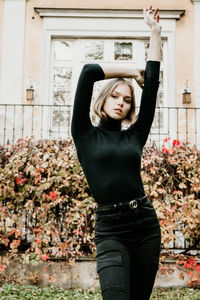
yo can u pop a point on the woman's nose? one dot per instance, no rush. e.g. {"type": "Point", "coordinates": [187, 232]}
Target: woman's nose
{"type": "Point", "coordinates": [120, 100]}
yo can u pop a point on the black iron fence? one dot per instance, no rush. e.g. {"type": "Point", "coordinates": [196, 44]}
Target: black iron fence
{"type": "Point", "coordinates": [53, 122]}
{"type": "Point", "coordinates": [178, 244]}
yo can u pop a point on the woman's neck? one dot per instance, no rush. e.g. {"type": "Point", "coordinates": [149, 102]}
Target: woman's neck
{"type": "Point", "coordinates": [110, 124]}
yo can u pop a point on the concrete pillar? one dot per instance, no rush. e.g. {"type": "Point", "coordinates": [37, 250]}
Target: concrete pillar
{"type": "Point", "coordinates": [197, 51]}
{"type": "Point", "coordinates": [12, 51]}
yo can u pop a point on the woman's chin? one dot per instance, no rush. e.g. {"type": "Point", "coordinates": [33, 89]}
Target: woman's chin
{"type": "Point", "coordinates": [116, 117]}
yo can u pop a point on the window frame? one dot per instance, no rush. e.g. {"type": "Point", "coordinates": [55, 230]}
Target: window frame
{"type": "Point", "coordinates": [107, 26]}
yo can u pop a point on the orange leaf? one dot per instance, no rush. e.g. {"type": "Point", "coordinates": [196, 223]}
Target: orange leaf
{"type": "Point", "coordinates": [15, 244]}
{"type": "Point", "coordinates": [63, 246]}
{"type": "Point", "coordinates": [17, 233]}
{"type": "Point", "coordinates": [11, 231]}
{"type": "Point", "coordinates": [181, 276]}
{"type": "Point", "coordinates": [4, 240]}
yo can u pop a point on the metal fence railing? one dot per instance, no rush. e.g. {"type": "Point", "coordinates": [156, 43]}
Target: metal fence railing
{"type": "Point", "coordinates": [53, 122]}
{"type": "Point", "coordinates": [177, 245]}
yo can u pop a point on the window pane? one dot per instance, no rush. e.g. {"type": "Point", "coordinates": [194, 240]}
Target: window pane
{"type": "Point", "coordinates": [62, 86]}
{"type": "Point", "coordinates": [123, 51]}
{"type": "Point", "coordinates": [61, 97]}
{"type": "Point", "coordinates": [161, 85]}
{"type": "Point", "coordinates": [94, 50]}
{"type": "Point", "coordinates": [60, 118]}
{"type": "Point", "coordinates": [158, 122]}
{"type": "Point", "coordinates": [63, 50]}
{"type": "Point", "coordinates": [160, 99]}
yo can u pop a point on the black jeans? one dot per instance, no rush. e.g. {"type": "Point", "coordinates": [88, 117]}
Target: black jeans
{"type": "Point", "coordinates": [128, 248]}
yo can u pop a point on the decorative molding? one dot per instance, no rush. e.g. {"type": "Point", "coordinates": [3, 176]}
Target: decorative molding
{"type": "Point", "coordinates": [104, 13]}
{"type": "Point", "coordinates": [196, 1]}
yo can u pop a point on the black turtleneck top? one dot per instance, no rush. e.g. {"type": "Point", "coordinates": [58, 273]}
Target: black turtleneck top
{"type": "Point", "coordinates": [111, 157]}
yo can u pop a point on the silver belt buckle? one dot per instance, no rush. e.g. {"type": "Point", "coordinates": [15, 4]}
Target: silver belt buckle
{"type": "Point", "coordinates": [133, 204]}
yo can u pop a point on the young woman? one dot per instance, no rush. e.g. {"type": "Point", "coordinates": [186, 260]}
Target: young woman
{"type": "Point", "coordinates": [127, 232]}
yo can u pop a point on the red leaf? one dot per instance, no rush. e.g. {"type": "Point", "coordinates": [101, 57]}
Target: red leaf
{"type": "Point", "coordinates": [166, 139]}
{"type": "Point", "coordinates": [176, 143]}
{"type": "Point", "coordinates": [11, 231]}
{"type": "Point", "coordinates": [197, 268]}
{"type": "Point", "coordinates": [53, 195]}
{"type": "Point", "coordinates": [2, 267]}
{"type": "Point", "coordinates": [165, 150]}
{"type": "Point", "coordinates": [45, 257]}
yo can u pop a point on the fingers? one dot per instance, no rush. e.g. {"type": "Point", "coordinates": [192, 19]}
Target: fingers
{"type": "Point", "coordinates": [140, 79]}
{"type": "Point", "coordinates": [151, 17]}
{"type": "Point", "coordinates": [155, 13]}
{"type": "Point", "coordinates": [149, 11]}
{"type": "Point", "coordinates": [141, 72]}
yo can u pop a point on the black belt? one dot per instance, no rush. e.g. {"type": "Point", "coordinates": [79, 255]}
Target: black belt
{"type": "Point", "coordinates": [131, 204]}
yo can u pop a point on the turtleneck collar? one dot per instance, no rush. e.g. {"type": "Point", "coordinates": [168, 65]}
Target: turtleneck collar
{"type": "Point", "coordinates": [110, 124]}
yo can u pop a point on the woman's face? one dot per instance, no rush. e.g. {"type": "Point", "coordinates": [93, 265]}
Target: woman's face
{"type": "Point", "coordinates": [118, 104]}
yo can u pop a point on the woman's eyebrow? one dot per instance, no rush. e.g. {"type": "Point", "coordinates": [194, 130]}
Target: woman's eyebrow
{"type": "Point", "coordinates": [126, 96]}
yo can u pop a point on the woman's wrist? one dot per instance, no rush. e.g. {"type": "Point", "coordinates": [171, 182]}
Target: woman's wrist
{"type": "Point", "coordinates": [121, 70]}
{"type": "Point", "coordinates": [156, 29]}
{"type": "Point", "coordinates": [134, 73]}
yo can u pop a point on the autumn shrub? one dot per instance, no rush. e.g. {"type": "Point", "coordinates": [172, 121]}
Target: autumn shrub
{"type": "Point", "coordinates": [47, 210]}
{"type": "Point", "coordinates": [171, 178]}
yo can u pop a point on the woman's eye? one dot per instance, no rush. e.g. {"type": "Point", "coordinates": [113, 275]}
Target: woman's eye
{"type": "Point", "coordinates": [114, 96]}
{"type": "Point", "coordinates": [127, 101]}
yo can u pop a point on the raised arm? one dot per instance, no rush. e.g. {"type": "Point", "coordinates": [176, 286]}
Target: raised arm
{"type": "Point", "coordinates": [151, 80]}
{"type": "Point", "coordinates": [152, 21]}
{"type": "Point", "coordinates": [123, 71]}
{"type": "Point", "coordinates": [80, 119]}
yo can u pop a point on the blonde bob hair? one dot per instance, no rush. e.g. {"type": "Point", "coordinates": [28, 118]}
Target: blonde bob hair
{"type": "Point", "coordinates": [105, 92]}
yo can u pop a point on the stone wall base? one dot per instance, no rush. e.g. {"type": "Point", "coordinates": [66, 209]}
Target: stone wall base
{"type": "Point", "coordinates": [82, 274]}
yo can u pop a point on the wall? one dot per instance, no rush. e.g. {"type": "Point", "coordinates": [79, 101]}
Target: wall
{"type": "Point", "coordinates": [184, 35]}
{"type": "Point", "coordinates": [185, 51]}
{"type": "Point", "coordinates": [1, 23]}
{"type": "Point", "coordinates": [12, 51]}
{"type": "Point", "coordinates": [34, 54]}
{"type": "Point", "coordinates": [82, 274]}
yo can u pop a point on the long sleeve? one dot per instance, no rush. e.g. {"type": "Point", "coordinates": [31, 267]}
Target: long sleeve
{"type": "Point", "coordinates": [81, 122]}
{"type": "Point", "coordinates": [148, 100]}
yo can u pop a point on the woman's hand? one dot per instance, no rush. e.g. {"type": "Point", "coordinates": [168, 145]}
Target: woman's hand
{"type": "Point", "coordinates": [152, 19]}
{"type": "Point", "coordinates": [139, 77]}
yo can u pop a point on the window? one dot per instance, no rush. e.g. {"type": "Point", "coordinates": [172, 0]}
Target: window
{"type": "Point", "coordinates": [68, 57]}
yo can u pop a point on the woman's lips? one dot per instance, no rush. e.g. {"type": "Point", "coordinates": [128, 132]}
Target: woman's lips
{"type": "Point", "coordinates": [118, 111]}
